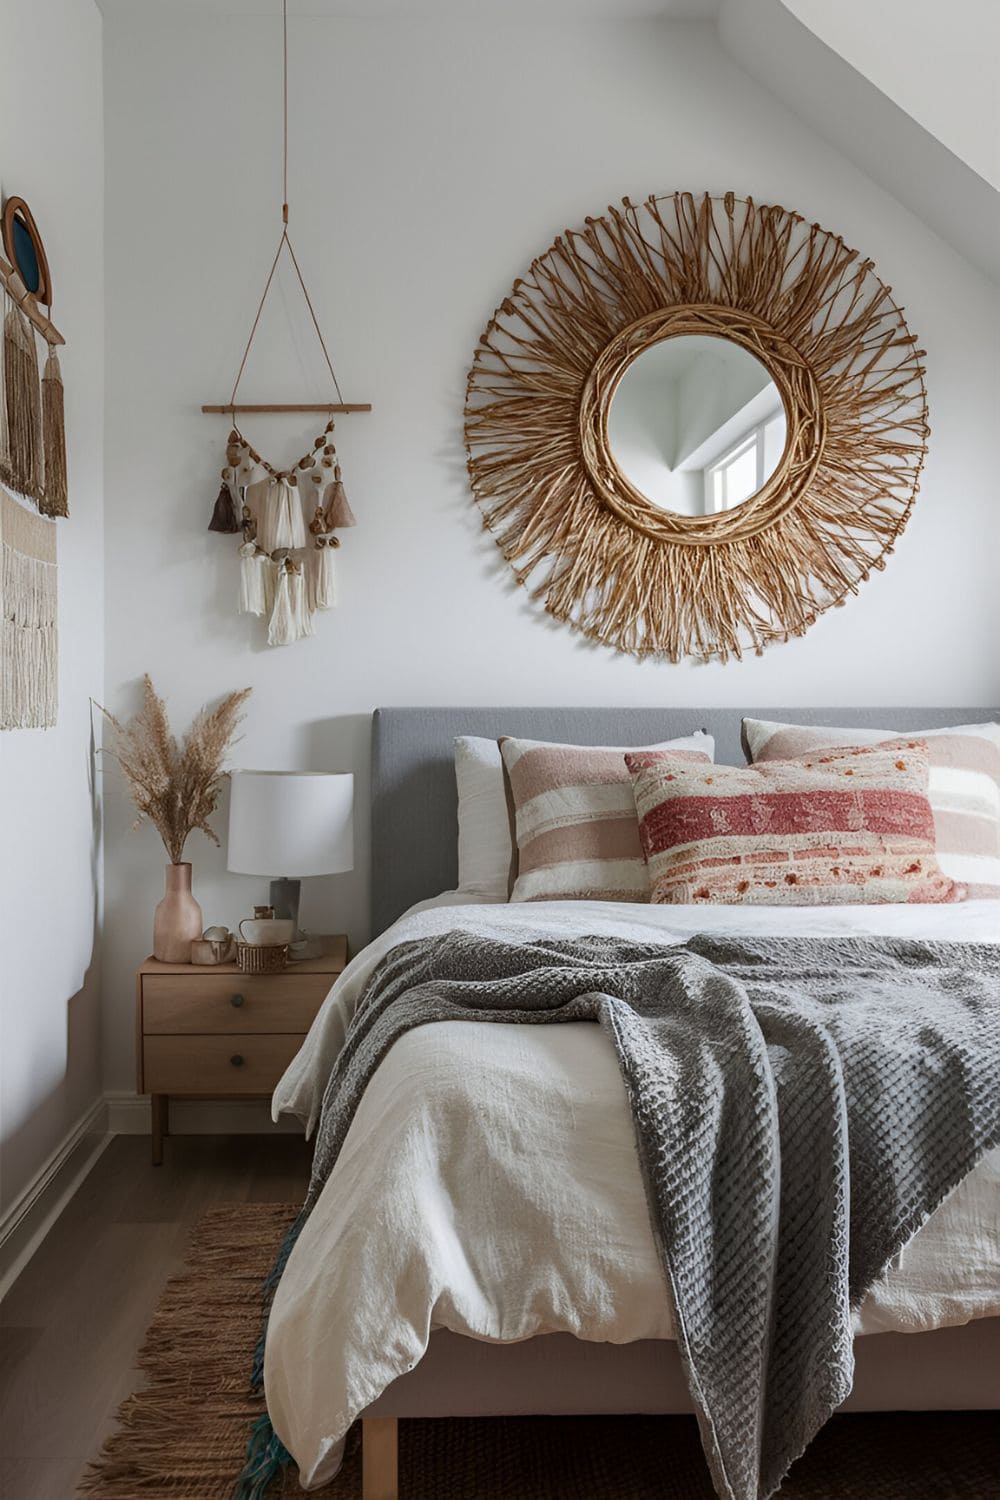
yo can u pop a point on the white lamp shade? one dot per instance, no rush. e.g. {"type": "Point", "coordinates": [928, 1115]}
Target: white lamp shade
{"type": "Point", "coordinates": [291, 823]}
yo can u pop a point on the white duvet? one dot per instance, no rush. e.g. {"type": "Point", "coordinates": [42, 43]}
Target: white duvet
{"type": "Point", "coordinates": [443, 1213]}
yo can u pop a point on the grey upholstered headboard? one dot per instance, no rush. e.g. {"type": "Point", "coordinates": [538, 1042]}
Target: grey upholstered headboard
{"type": "Point", "coordinates": [414, 802]}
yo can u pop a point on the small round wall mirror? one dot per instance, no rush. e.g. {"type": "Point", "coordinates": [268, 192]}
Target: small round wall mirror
{"type": "Point", "coordinates": [24, 249]}
{"type": "Point", "coordinates": [696, 425]}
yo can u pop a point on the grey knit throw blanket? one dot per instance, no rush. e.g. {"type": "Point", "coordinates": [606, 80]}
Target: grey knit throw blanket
{"type": "Point", "coordinates": [800, 1106]}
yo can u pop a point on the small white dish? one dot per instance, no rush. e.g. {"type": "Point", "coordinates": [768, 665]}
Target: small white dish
{"type": "Point", "coordinates": [267, 931]}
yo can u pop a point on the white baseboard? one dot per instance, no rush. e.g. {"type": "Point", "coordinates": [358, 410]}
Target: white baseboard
{"type": "Point", "coordinates": [30, 1217]}
{"type": "Point", "coordinates": [129, 1114]}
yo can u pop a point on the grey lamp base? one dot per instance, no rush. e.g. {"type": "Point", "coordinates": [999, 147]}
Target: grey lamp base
{"type": "Point", "coordinates": [284, 897]}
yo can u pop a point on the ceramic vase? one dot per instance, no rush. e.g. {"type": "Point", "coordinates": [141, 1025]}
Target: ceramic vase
{"type": "Point", "coordinates": [177, 920]}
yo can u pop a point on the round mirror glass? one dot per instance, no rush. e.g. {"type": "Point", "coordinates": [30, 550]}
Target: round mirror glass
{"type": "Point", "coordinates": [696, 425]}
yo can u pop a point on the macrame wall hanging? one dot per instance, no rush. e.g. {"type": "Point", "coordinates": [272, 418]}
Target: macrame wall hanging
{"type": "Point", "coordinates": [32, 476]}
{"type": "Point", "coordinates": [287, 516]}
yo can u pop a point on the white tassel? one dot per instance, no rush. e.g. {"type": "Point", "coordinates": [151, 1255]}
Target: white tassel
{"type": "Point", "coordinates": [322, 582]}
{"type": "Point", "coordinates": [280, 522]}
{"type": "Point", "coordinates": [280, 628]}
{"type": "Point", "coordinates": [252, 570]}
{"type": "Point", "coordinates": [269, 575]}
{"type": "Point", "coordinates": [301, 613]}
{"type": "Point", "coordinates": [290, 619]}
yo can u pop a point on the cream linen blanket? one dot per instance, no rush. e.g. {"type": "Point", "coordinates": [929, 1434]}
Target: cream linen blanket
{"type": "Point", "coordinates": [441, 1212]}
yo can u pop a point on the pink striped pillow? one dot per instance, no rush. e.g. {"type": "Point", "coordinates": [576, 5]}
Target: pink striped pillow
{"type": "Point", "coordinates": [841, 827]}
{"type": "Point", "coordinates": [963, 788]}
{"type": "Point", "coordinates": [574, 819]}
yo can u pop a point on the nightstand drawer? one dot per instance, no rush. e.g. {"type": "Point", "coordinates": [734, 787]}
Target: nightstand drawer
{"type": "Point", "coordinates": [237, 1064]}
{"type": "Point", "coordinates": [174, 1004]}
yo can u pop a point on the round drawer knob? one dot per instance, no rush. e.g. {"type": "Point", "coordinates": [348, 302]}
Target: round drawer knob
{"type": "Point", "coordinates": [236, 1000]}
{"type": "Point", "coordinates": [236, 1060]}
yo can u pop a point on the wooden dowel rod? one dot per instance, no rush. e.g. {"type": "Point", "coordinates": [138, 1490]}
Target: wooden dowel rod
{"type": "Point", "coordinates": [28, 305]}
{"type": "Point", "coordinates": [358, 406]}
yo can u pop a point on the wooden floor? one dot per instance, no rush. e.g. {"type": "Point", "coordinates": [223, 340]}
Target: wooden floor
{"type": "Point", "coordinates": [71, 1325]}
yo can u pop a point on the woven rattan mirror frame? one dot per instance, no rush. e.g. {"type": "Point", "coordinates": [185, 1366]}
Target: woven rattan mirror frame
{"type": "Point", "coordinates": [591, 547]}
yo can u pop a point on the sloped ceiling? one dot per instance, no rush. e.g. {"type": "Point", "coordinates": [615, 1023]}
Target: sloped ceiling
{"type": "Point", "coordinates": [888, 144]}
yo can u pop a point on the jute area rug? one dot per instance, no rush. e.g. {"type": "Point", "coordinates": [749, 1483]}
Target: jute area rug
{"type": "Point", "coordinates": [182, 1436]}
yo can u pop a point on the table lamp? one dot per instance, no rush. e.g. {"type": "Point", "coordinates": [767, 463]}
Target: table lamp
{"type": "Point", "coordinates": [298, 823]}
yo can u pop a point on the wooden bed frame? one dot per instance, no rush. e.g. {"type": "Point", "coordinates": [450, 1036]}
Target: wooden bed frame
{"type": "Point", "coordinates": [955, 1369]}
{"type": "Point", "coordinates": [414, 808]}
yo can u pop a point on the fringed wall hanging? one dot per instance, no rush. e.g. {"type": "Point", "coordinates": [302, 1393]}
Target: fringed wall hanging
{"type": "Point", "coordinates": [28, 641]}
{"type": "Point", "coordinates": [32, 476]}
{"type": "Point", "coordinates": [286, 562]}
{"type": "Point", "coordinates": [695, 424]}
{"type": "Point", "coordinates": [32, 436]}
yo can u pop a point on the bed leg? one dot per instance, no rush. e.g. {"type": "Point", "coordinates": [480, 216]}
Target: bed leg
{"type": "Point", "coordinates": [379, 1459]}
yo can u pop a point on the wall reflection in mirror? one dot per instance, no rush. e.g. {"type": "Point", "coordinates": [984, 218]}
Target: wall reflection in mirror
{"type": "Point", "coordinates": [696, 425]}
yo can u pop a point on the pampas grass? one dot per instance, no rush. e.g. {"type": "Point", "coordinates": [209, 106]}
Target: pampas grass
{"type": "Point", "coordinates": [175, 787]}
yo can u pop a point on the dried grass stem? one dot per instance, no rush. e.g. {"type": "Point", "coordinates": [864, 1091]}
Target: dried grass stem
{"type": "Point", "coordinates": [176, 787]}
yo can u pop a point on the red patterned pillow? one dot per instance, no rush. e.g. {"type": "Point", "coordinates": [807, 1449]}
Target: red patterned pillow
{"type": "Point", "coordinates": [837, 827]}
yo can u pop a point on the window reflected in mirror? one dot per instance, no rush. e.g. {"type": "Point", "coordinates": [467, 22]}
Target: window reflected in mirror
{"type": "Point", "coordinates": [697, 425]}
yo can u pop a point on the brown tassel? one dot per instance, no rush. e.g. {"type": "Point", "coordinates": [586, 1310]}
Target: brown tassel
{"type": "Point", "coordinates": [224, 516]}
{"type": "Point", "coordinates": [23, 403]}
{"type": "Point", "coordinates": [55, 500]}
{"type": "Point", "coordinates": [337, 512]}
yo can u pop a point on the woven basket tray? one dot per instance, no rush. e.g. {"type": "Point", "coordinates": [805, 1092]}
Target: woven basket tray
{"type": "Point", "coordinates": [261, 958]}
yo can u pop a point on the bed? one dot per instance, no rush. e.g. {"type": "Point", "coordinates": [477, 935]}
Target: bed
{"type": "Point", "coordinates": [609, 1362]}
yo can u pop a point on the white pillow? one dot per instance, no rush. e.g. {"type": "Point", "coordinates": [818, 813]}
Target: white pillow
{"type": "Point", "coordinates": [486, 851]}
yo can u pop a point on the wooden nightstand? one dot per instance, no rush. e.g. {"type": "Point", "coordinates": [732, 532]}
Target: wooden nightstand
{"type": "Point", "coordinates": [212, 1032]}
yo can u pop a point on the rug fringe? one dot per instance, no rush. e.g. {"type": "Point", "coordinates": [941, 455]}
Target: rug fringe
{"type": "Point", "coordinates": [194, 1357]}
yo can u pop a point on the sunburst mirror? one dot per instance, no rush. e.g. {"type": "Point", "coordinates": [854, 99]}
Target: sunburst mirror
{"type": "Point", "coordinates": [695, 424]}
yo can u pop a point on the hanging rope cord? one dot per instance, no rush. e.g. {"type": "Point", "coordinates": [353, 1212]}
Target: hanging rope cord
{"type": "Point", "coordinates": [285, 240]}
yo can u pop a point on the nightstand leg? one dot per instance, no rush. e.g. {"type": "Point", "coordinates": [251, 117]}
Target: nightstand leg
{"type": "Point", "coordinates": [161, 1125]}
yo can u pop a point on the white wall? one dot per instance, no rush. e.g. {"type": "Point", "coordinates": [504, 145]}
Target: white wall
{"type": "Point", "coordinates": [430, 161]}
{"type": "Point", "coordinates": [51, 153]}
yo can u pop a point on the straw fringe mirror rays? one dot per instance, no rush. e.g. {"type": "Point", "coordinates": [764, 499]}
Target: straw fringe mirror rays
{"type": "Point", "coordinates": [559, 490]}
